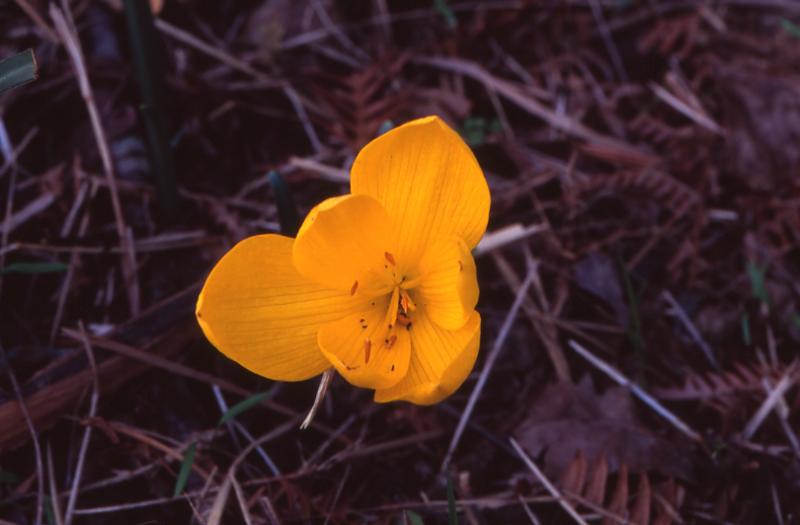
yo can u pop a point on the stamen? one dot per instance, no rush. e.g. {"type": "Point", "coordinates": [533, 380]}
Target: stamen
{"type": "Point", "coordinates": [406, 304]}
{"type": "Point", "coordinates": [391, 314]}
{"type": "Point", "coordinates": [407, 284]}
{"type": "Point", "coordinates": [354, 288]}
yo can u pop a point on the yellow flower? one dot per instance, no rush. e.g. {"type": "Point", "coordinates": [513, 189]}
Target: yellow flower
{"type": "Point", "coordinates": [379, 284]}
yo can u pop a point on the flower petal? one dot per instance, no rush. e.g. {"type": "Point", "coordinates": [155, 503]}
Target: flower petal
{"type": "Point", "coordinates": [343, 244]}
{"type": "Point", "coordinates": [448, 287]}
{"type": "Point", "coordinates": [440, 361]}
{"type": "Point", "coordinates": [257, 310]}
{"type": "Point", "coordinates": [364, 350]}
{"type": "Point", "coordinates": [428, 181]}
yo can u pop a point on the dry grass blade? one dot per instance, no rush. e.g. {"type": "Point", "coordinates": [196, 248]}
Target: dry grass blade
{"type": "Point", "coordinates": [547, 485]}
{"type": "Point", "coordinates": [324, 383]}
{"type": "Point", "coordinates": [12, 159]}
{"type": "Point", "coordinates": [497, 239]}
{"type": "Point", "coordinates": [72, 44]}
{"type": "Point", "coordinates": [494, 353]}
{"type": "Point", "coordinates": [558, 120]}
{"type": "Point", "coordinates": [30, 210]}
{"type": "Point", "coordinates": [34, 15]}
{"type": "Point", "coordinates": [34, 436]}
{"type": "Point", "coordinates": [678, 312]}
{"type": "Point", "coordinates": [544, 324]}
{"type": "Point", "coordinates": [317, 168]}
{"type": "Point", "coordinates": [87, 432]}
{"type": "Point", "coordinates": [240, 498]}
{"type": "Point", "coordinates": [775, 395]}
{"type": "Point", "coordinates": [55, 500]}
{"type": "Point", "coordinates": [680, 106]}
{"type": "Point", "coordinates": [226, 58]}
{"type": "Point", "coordinates": [218, 506]}
{"type": "Point", "coordinates": [637, 391]}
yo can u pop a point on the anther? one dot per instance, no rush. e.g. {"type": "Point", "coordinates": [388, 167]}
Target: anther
{"type": "Point", "coordinates": [406, 303]}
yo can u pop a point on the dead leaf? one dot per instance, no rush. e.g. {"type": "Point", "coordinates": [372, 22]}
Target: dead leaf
{"type": "Point", "coordinates": [597, 274]}
{"type": "Point", "coordinates": [567, 420]}
{"type": "Point", "coordinates": [762, 115]}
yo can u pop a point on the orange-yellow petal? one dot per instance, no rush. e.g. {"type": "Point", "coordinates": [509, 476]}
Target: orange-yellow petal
{"type": "Point", "coordinates": [448, 287]}
{"type": "Point", "coordinates": [364, 350]}
{"type": "Point", "coordinates": [428, 181]}
{"type": "Point", "coordinates": [440, 361]}
{"type": "Point", "coordinates": [259, 311]}
{"type": "Point", "coordinates": [343, 244]}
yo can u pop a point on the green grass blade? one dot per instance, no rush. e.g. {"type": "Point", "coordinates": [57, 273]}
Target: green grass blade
{"type": "Point", "coordinates": [287, 210]}
{"type": "Point", "coordinates": [758, 281]}
{"type": "Point", "coordinates": [49, 513]}
{"type": "Point", "coordinates": [790, 27]}
{"type": "Point", "coordinates": [447, 13]}
{"type": "Point", "coordinates": [18, 70]}
{"type": "Point", "coordinates": [634, 331]}
{"type": "Point", "coordinates": [473, 131]}
{"type": "Point", "coordinates": [746, 337]}
{"type": "Point", "coordinates": [412, 518]}
{"type": "Point", "coordinates": [186, 469]}
{"type": "Point", "coordinates": [244, 406]}
{"type": "Point", "coordinates": [452, 515]}
{"type": "Point", "coordinates": [34, 267]}
{"type": "Point", "coordinates": [150, 78]}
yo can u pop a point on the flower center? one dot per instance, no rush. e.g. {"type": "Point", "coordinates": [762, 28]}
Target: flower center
{"type": "Point", "coordinates": [397, 285]}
